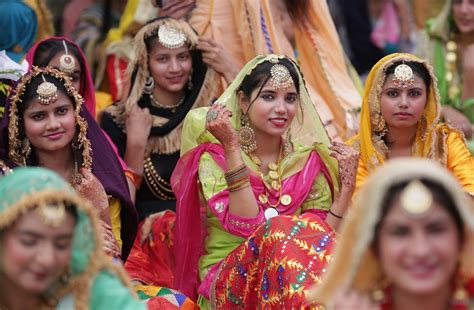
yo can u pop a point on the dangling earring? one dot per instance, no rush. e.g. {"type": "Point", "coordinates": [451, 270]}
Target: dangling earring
{"type": "Point", "coordinates": [76, 146]}
{"type": "Point", "coordinates": [380, 127]}
{"type": "Point", "coordinates": [422, 128]}
{"type": "Point", "coordinates": [26, 150]}
{"type": "Point", "coordinates": [149, 85]}
{"type": "Point", "coordinates": [247, 135]}
{"type": "Point", "coordinates": [190, 80]}
{"type": "Point", "coordinates": [288, 147]}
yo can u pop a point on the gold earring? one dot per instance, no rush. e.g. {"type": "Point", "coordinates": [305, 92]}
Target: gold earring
{"type": "Point", "coordinates": [288, 147]}
{"type": "Point", "coordinates": [422, 128]}
{"type": "Point", "coordinates": [380, 126]}
{"type": "Point", "coordinates": [149, 85]}
{"type": "Point", "coordinates": [26, 149]}
{"type": "Point", "coordinates": [247, 135]}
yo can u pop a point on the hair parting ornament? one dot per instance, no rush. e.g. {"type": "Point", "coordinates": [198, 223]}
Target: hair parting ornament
{"type": "Point", "coordinates": [47, 92]}
{"type": "Point", "coordinates": [403, 76]}
{"type": "Point", "coordinates": [52, 215]}
{"type": "Point", "coordinates": [171, 37]}
{"type": "Point", "coordinates": [416, 199]}
{"type": "Point", "coordinates": [67, 63]}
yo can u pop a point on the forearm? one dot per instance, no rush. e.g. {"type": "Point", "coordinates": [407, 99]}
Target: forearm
{"type": "Point", "coordinates": [134, 156]}
{"type": "Point", "coordinates": [339, 208]}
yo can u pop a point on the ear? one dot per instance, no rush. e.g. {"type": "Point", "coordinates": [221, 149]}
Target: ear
{"type": "Point", "coordinates": [243, 101]}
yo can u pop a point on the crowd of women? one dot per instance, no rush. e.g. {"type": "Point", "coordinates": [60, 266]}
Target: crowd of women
{"type": "Point", "coordinates": [227, 156]}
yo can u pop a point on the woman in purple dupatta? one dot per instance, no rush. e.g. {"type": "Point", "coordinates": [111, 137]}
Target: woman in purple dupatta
{"type": "Point", "coordinates": [256, 208]}
{"type": "Point", "coordinates": [100, 169]}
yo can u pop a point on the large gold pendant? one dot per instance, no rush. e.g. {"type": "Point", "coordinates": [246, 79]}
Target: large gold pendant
{"type": "Point", "coordinates": [276, 185]}
{"type": "Point", "coordinates": [286, 200]}
{"type": "Point", "coordinates": [273, 175]}
{"type": "Point", "coordinates": [272, 166]}
{"type": "Point", "coordinates": [263, 198]}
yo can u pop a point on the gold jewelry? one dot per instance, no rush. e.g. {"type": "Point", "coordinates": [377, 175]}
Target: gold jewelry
{"type": "Point", "coordinates": [173, 108]}
{"type": "Point", "coordinates": [246, 135]}
{"type": "Point", "coordinates": [416, 199]}
{"type": "Point", "coordinates": [67, 63]}
{"type": "Point", "coordinates": [159, 187]}
{"type": "Point", "coordinates": [47, 92]}
{"type": "Point", "coordinates": [52, 214]}
{"type": "Point", "coordinates": [403, 76]}
{"type": "Point", "coordinates": [77, 176]}
{"type": "Point", "coordinates": [280, 77]}
{"type": "Point", "coordinates": [422, 128]}
{"type": "Point", "coordinates": [450, 63]}
{"type": "Point", "coordinates": [171, 37]}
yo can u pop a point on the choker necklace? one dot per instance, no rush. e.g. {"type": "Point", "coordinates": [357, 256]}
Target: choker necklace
{"type": "Point", "coordinates": [275, 184]}
{"type": "Point", "coordinates": [173, 108]}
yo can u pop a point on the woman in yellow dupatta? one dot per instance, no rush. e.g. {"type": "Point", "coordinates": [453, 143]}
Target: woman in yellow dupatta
{"type": "Point", "coordinates": [383, 135]}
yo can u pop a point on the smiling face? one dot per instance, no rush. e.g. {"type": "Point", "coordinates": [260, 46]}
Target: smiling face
{"type": "Point", "coordinates": [463, 13]}
{"type": "Point", "coordinates": [34, 255]}
{"type": "Point", "coordinates": [50, 128]}
{"type": "Point", "coordinates": [419, 256]}
{"type": "Point", "coordinates": [170, 68]}
{"type": "Point", "coordinates": [402, 108]}
{"type": "Point", "coordinates": [75, 75]}
{"type": "Point", "coordinates": [272, 112]}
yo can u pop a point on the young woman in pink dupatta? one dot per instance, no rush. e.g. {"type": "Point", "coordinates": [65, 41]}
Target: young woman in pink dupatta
{"type": "Point", "coordinates": [267, 202]}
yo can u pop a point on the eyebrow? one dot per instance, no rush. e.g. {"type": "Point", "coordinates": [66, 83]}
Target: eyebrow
{"type": "Point", "coordinates": [30, 233]}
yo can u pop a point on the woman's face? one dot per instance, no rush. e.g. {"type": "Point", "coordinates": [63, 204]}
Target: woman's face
{"type": "Point", "coordinates": [273, 111]}
{"type": "Point", "coordinates": [419, 255]}
{"type": "Point", "coordinates": [402, 108]}
{"type": "Point", "coordinates": [463, 13]}
{"type": "Point", "coordinates": [35, 254]}
{"type": "Point", "coordinates": [170, 68]}
{"type": "Point", "coordinates": [75, 76]}
{"type": "Point", "coordinates": [50, 127]}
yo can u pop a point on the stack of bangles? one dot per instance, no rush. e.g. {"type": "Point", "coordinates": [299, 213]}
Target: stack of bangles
{"type": "Point", "coordinates": [134, 177]}
{"type": "Point", "coordinates": [237, 178]}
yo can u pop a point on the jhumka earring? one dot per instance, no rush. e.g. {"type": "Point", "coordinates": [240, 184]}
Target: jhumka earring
{"type": "Point", "coordinates": [403, 76]}
{"type": "Point", "coordinates": [47, 92]}
{"type": "Point", "coordinates": [67, 63]}
{"type": "Point", "coordinates": [149, 85]}
{"type": "Point", "coordinates": [380, 127]}
{"type": "Point", "coordinates": [26, 150]}
{"type": "Point", "coordinates": [171, 37]}
{"type": "Point", "coordinates": [247, 135]}
{"type": "Point", "coordinates": [288, 147]}
{"type": "Point", "coordinates": [422, 128]}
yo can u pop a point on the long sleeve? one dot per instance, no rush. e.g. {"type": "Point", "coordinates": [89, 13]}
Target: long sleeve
{"type": "Point", "coordinates": [460, 161]}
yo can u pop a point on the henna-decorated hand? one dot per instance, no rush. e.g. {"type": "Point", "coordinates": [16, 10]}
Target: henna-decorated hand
{"type": "Point", "coordinates": [348, 161]}
{"type": "Point", "coordinates": [218, 124]}
{"type": "Point", "coordinates": [91, 189]}
{"type": "Point", "coordinates": [138, 125]}
{"type": "Point", "coordinates": [110, 244]}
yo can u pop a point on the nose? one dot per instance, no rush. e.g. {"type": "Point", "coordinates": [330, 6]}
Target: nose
{"type": "Point", "coordinates": [174, 65]}
{"type": "Point", "coordinates": [280, 107]}
{"type": "Point", "coordinates": [53, 123]}
{"type": "Point", "coordinates": [420, 245]}
{"type": "Point", "coordinates": [46, 257]}
{"type": "Point", "coordinates": [403, 101]}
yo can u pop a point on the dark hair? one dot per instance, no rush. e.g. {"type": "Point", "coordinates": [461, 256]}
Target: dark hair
{"type": "Point", "coordinates": [259, 77]}
{"type": "Point", "coordinates": [48, 49]}
{"type": "Point", "coordinates": [417, 67]}
{"type": "Point", "coordinates": [440, 195]}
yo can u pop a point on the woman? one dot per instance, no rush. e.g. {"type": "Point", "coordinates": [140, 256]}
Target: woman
{"type": "Point", "coordinates": [167, 79]}
{"type": "Point", "coordinates": [46, 126]}
{"type": "Point", "coordinates": [407, 243]}
{"type": "Point", "coordinates": [51, 254]}
{"type": "Point", "coordinates": [249, 176]}
{"type": "Point", "coordinates": [303, 30]}
{"type": "Point", "coordinates": [448, 42]}
{"type": "Point", "coordinates": [400, 114]}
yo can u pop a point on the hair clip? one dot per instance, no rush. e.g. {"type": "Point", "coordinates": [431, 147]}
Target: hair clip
{"type": "Point", "coordinates": [280, 77]}
{"type": "Point", "coordinates": [47, 92]}
{"type": "Point", "coordinates": [171, 37]}
{"type": "Point", "coordinates": [403, 76]}
{"type": "Point", "coordinates": [67, 63]}
{"type": "Point", "coordinates": [52, 214]}
{"type": "Point", "coordinates": [416, 199]}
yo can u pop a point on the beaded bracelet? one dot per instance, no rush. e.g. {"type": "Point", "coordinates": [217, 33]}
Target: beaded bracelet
{"type": "Point", "coordinates": [335, 215]}
{"type": "Point", "coordinates": [134, 177]}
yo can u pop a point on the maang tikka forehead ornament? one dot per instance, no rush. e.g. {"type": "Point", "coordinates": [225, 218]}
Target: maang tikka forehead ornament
{"type": "Point", "coordinates": [280, 77]}
{"type": "Point", "coordinates": [403, 76]}
{"type": "Point", "coordinates": [416, 199]}
{"type": "Point", "coordinates": [171, 37]}
{"type": "Point", "coordinates": [52, 215]}
{"type": "Point", "coordinates": [67, 63]}
{"type": "Point", "coordinates": [47, 92]}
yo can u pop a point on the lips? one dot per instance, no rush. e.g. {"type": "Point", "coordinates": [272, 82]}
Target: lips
{"type": "Point", "coordinates": [175, 79]}
{"type": "Point", "coordinates": [421, 271]}
{"type": "Point", "coordinates": [278, 121]}
{"type": "Point", "coordinates": [403, 115]}
{"type": "Point", "coordinates": [55, 136]}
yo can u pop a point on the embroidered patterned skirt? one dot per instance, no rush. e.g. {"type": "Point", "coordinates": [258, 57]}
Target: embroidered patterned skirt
{"type": "Point", "coordinates": [276, 266]}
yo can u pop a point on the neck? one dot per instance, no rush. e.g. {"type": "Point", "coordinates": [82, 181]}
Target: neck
{"type": "Point", "coordinates": [61, 161]}
{"type": "Point", "coordinates": [13, 297]}
{"type": "Point", "coordinates": [268, 149]}
{"type": "Point", "coordinates": [439, 300]}
{"type": "Point", "coordinates": [167, 98]}
{"type": "Point", "coordinates": [400, 140]}
{"type": "Point", "coordinates": [465, 38]}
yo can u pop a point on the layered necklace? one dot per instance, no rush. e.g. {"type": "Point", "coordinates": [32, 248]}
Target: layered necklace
{"type": "Point", "coordinates": [173, 107]}
{"type": "Point", "coordinates": [159, 187]}
{"type": "Point", "coordinates": [274, 184]}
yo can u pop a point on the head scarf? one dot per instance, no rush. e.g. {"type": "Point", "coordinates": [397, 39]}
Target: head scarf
{"type": "Point", "coordinates": [354, 264]}
{"type": "Point", "coordinates": [87, 92]}
{"type": "Point", "coordinates": [373, 149]}
{"type": "Point", "coordinates": [19, 26]}
{"type": "Point", "coordinates": [97, 153]}
{"type": "Point", "coordinates": [306, 127]}
{"type": "Point", "coordinates": [24, 190]}
{"type": "Point", "coordinates": [166, 131]}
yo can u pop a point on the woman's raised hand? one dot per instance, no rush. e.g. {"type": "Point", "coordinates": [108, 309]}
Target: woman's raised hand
{"type": "Point", "coordinates": [138, 125]}
{"type": "Point", "coordinates": [218, 124]}
{"type": "Point", "coordinates": [348, 161]}
{"type": "Point", "coordinates": [218, 58]}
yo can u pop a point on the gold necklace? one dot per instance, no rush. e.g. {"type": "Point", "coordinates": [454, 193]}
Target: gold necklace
{"type": "Point", "coordinates": [159, 187]}
{"type": "Point", "coordinates": [451, 65]}
{"type": "Point", "coordinates": [173, 108]}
